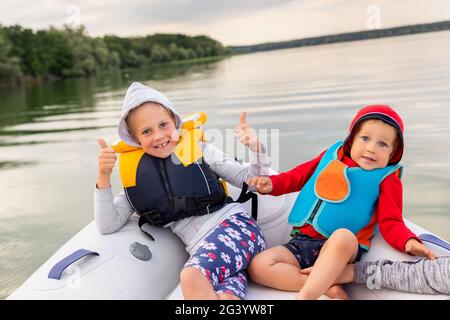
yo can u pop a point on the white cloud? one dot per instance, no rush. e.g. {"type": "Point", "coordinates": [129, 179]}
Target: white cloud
{"type": "Point", "coordinates": [232, 23]}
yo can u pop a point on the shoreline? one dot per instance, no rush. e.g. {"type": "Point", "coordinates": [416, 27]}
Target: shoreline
{"type": "Point", "coordinates": [28, 80]}
{"type": "Point", "coordinates": [344, 37]}
{"type": "Point", "coordinates": [246, 49]}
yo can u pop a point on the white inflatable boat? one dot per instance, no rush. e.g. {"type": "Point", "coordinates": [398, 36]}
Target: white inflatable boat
{"type": "Point", "coordinates": [114, 273]}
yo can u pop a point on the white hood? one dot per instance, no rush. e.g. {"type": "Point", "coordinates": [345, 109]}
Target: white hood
{"type": "Point", "coordinates": [136, 95]}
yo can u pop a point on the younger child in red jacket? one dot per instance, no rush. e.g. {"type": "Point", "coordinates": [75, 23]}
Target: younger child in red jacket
{"type": "Point", "coordinates": [345, 193]}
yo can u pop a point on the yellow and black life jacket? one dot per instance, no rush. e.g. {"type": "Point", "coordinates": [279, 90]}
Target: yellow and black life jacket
{"type": "Point", "coordinates": [180, 186]}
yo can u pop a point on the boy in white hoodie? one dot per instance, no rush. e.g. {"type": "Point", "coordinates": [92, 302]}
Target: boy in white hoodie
{"type": "Point", "coordinates": [222, 237]}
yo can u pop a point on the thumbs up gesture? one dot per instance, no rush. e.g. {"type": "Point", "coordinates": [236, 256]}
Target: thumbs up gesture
{"type": "Point", "coordinates": [106, 159]}
{"type": "Point", "coordinates": [247, 135]}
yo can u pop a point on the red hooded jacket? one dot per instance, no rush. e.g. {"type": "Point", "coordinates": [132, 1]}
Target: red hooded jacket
{"type": "Point", "coordinates": [388, 212]}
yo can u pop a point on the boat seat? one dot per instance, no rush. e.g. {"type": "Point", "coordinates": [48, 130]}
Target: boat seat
{"type": "Point", "coordinates": [273, 221]}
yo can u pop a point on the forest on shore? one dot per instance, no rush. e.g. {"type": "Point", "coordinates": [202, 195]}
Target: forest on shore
{"type": "Point", "coordinates": [27, 55]}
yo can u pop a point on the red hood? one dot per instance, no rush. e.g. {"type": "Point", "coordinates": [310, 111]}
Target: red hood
{"type": "Point", "coordinates": [385, 114]}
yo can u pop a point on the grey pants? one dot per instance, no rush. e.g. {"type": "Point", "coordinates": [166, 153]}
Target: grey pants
{"type": "Point", "coordinates": [419, 276]}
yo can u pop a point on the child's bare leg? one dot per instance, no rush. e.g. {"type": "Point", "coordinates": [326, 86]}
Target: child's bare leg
{"type": "Point", "coordinates": [339, 250]}
{"type": "Point", "coordinates": [196, 286]}
{"type": "Point", "coordinates": [348, 275]}
{"type": "Point", "coordinates": [278, 268]}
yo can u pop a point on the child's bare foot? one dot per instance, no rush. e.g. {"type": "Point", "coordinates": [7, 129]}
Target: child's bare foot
{"type": "Point", "coordinates": [337, 292]}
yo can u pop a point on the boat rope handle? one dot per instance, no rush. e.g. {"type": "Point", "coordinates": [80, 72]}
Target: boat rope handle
{"type": "Point", "coordinates": [59, 267]}
{"type": "Point", "coordinates": [435, 240]}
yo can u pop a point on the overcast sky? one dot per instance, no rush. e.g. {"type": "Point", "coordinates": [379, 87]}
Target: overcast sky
{"type": "Point", "coordinates": [232, 22]}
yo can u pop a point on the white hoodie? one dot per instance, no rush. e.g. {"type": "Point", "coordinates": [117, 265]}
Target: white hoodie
{"type": "Point", "coordinates": [136, 95]}
{"type": "Point", "coordinates": [112, 213]}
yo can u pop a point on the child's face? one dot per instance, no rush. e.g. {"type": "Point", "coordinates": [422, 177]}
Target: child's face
{"type": "Point", "coordinates": [373, 144]}
{"type": "Point", "coordinates": [154, 128]}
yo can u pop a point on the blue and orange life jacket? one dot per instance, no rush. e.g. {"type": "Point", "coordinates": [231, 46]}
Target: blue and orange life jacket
{"type": "Point", "coordinates": [337, 196]}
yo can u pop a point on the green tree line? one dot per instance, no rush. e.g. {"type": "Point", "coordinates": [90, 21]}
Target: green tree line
{"type": "Point", "coordinates": [63, 53]}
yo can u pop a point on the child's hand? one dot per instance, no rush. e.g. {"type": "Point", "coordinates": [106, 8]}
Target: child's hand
{"type": "Point", "coordinates": [416, 248]}
{"type": "Point", "coordinates": [261, 184]}
{"type": "Point", "coordinates": [106, 159]}
{"type": "Point", "coordinates": [247, 135]}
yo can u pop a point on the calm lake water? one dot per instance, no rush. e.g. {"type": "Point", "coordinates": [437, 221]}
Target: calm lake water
{"type": "Point", "coordinates": [48, 132]}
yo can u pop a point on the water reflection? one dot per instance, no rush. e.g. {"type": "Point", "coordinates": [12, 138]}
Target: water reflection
{"type": "Point", "coordinates": [15, 164]}
{"type": "Point", "coordinates": [48, 132]}
{"type": "Point", "coordinates": [32, 132]}
{"type": "Point", "coordinates": [23, 104]}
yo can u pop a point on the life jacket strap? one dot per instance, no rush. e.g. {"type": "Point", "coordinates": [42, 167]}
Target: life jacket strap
{"type": "Point", "coordinates": [152, 217]}
{"type": "Point", "coordinates": [181, 205]}
{"type": "Point", "coordinates": [244, 196]}
{"type": "Point", "coordinates": [188, 204]}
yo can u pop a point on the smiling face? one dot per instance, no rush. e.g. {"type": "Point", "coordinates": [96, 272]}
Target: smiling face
{"type": "Point", "coordinates": [154, 128]}
{"type": "Point", "coordinates": [373, 144]}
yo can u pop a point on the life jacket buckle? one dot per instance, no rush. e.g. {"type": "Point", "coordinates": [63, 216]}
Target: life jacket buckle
{"type": "Point", "coordinates": [180, 204]}
{"type": "Point", "coordinates": [186, 204]}
{"type": "Point", "coordinates": [153, 217]}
